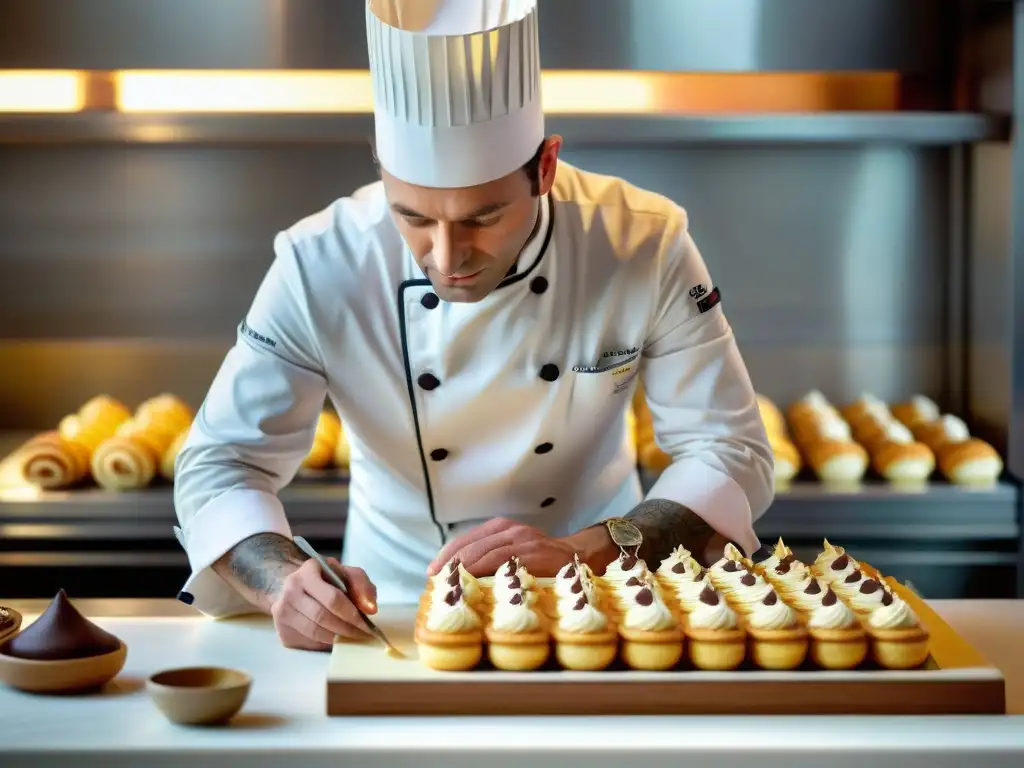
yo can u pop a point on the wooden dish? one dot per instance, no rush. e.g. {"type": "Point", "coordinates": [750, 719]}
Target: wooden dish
{"type": "Point", "coordinates": [61, 676]}
{"type": "Point", "coordinates": [12, 630]}
{"type": "Point", "coordinates": [199, 695]}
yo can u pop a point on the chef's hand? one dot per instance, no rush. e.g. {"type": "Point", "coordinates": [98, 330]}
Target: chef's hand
{"type": "Point", "coordinates": [483, 549]}
{"type": "Point", "coordinates": [309, 611]}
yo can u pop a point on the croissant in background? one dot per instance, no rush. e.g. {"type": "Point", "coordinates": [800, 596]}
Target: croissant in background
{"type": "Point", "coordinates": [963, 460]}
{"type": "Point", "coordinates": [825, 439]}
{"type": "Point", "coordinates": [130, 459]}
{"type": "Point", "coordinates": [170, 457]}
{"type": "Point", "coordinates": [61, 458]}
{"type": "Point", "coordinates": [895, 454]}
{"type": "Point", "coordinates": [325, 441]}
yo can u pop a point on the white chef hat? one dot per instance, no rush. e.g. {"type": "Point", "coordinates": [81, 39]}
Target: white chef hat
{"type": "Point", "coordinates": [456, 88]}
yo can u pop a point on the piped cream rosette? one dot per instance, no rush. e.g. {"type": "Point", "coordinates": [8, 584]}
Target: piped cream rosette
{"type": "Point", "coordinates": [60, 459]}
{"type": "Point", "coordinates": [962, 459]}
{"type": "Point", "coordinates": [787, 458]}
{"type": "Point", "coordinates": [895, 454]}
{"type": "Point", "coordinates": [825, 439]}
{"type": "Point", "coordinates": [130, 458]}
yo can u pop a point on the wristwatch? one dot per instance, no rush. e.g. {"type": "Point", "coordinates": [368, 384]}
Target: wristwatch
{"type": "Point", "coordinates": [623, 532]}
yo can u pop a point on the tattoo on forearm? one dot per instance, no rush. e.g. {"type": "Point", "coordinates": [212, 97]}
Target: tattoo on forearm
{"type": "Point", "coordinates": [261, 562]}
{"type": "Point", "coordinates": [665, 525]}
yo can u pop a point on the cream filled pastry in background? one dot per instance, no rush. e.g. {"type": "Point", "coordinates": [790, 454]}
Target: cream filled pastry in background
{"type": "Point", "coordinates": [895, 454]}
{"type": "Point", "coordinates": [787, 458]}
{"type": "Point", "coordinates": [826, 440]}
{"type": "Point", "coordinates": [130, 458]}
{"type": "Point", "coordinates": [963, 459]}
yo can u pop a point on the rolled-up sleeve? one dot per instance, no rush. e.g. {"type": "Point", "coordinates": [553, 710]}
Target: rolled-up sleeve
{"type": "Point", "coordinates": [703, 407]}
{"type": "Point", "coordinates": [252, 432]}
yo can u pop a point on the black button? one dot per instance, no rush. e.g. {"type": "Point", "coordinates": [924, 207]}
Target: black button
{"type": "Point", "coordinates": [439, 454]}
{"type": "Point", "coordinates": [430, 300]}
{"type": "Point", "coordinates": [548, 501]}
{"type": "Point", "coordinates": [549, 372]}
{"type": "Point", "coordinates": [428, 381]}
{"type": "Point", "coordinates": [539, 284]}
{"type": "Point", "coordinates": [543, 448]}
{"type": "Point", "coordinates": [186, 598]}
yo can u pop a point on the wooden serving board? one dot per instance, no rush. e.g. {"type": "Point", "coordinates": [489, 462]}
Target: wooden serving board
{"type": "Point", "coordinates": [363, 680]}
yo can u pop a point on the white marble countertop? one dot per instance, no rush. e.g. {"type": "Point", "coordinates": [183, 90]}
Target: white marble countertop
{"type": "Point", "coordinates": [283, 723]}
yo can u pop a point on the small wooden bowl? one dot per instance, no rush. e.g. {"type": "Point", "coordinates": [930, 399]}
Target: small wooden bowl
{"type": "Point", "coordinates": [199, 695]}
{"type": "Point", "coordinates": [61, 676]}
{"type": "Point", "coordinates": [12, 629]}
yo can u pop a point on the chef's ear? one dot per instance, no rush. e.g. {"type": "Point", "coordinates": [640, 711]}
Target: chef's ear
{"type": "Point", "coordinates": [548, 163]}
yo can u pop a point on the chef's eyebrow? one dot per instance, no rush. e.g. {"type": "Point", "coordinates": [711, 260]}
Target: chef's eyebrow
{"type": "Point", "coordinates": [483, 210]}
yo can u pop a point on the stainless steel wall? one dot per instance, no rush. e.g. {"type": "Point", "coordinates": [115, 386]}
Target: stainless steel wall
{"type": "Point", "coordinates": [699, 35]}
{"type": "Point", "coordinates": [126, 268]}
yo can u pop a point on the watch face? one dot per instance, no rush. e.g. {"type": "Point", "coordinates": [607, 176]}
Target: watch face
{"type": "Point", "coordinates": [624, 533]}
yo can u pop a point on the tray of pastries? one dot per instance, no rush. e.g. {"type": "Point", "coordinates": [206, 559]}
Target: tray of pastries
{"type": "Point", "coordinates": [777, 636]}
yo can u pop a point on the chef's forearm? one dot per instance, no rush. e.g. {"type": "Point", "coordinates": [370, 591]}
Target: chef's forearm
{"type": "Point", "coordinates": [666, 525]}
{"type": "Point", "coordinates": [257, 567]}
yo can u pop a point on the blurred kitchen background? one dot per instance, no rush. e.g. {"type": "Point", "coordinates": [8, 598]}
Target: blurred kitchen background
{"type": "Point", "coordinates": [849, 167]}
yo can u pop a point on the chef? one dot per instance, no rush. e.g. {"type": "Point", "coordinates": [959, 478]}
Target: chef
{"type": "Point", "coordinates": [480, 317]}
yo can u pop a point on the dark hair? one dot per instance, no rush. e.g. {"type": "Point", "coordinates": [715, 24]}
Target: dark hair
{"type": "Point", "coordinates": [531, 167]}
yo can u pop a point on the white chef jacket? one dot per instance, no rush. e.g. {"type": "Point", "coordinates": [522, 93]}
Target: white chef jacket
{"type": "Point", "coordinates": [512, 406]}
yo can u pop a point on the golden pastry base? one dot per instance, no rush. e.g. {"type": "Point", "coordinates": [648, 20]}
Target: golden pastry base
{"type": "Point", "coordinates": [956, 679]}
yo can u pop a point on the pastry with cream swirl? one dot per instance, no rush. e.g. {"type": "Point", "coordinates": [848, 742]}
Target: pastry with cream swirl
{"type": "Point", "coordinates": [585, 638]}
{"type": "Point", "coordinates": [838, 640]}
{"type": "Point", "coordinates": [805, 595]}
{"type": "Point", "coordinates": [517, 635]}
{"type": "Point", "coordinates": [688, 592]}
{"type": "Point", "coordinates": [898, 639]}
{"type": "Point", "coordinates": [749, 592]}
{"type": "Point", "coordinates": [870, 595]}
{"type": "Point", "coordinates": [651, 636]}
{"type": "Point", "coordinates": [715, 639]}
{"type": "Point", "coordinates": [788, 575]}
{"type": "Point", "coordinates": [622, 568]}
{"type": "Point", "coordinates": [676, 567]}
{"type": "Point", "coordinates": [449, 633]}
{"type": "Point", "coordinates": [778, 640]}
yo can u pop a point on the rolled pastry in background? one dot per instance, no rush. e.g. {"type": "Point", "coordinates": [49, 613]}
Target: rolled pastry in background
{"type": "Point", "coordinates": [825, 439]}
{"type": "Point", "coordinates": [170, 457]}
{"type": "Point", "coordinates": [918, 410]}
{"type": "Point", "coordinates": [895, 454]}
{"type": "Point", "coordinates": [963, 460]}
{"type": "Point", "coordinates": [61, 459]}
{"type": "Point", "coordinates": [321, 453]}
{"type": "Point", "coordinates": [129, 460]}
{"type": "Point", "coordinates": [787, 458]}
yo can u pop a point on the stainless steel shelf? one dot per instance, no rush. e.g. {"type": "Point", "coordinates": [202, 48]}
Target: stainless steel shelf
{"type": "Point", "coordinates": [917, 128]}
{"type": "Point", "coordinates": [317, 508]}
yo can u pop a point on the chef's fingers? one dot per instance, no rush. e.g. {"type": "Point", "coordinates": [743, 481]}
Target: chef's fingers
{"type": "Point", "coordinates": [292, 638]}
{"type": "Point", "coordinates": [336, 602]}
{"type": "Point", "coordinates": [293, 612]}
{"type": "Point", "coordinates": [360, 589]}
{"type": "Point", "coordinates": [480, 557]}
{"type": "Point", "coordinates": [489, 528]}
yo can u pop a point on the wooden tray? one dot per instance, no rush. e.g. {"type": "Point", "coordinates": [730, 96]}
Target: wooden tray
{"type": "Point", "coordinates": [363, 680]}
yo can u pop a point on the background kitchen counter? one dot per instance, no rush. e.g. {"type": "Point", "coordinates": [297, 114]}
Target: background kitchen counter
{"type": "Point", "coordinates": [284, 723]}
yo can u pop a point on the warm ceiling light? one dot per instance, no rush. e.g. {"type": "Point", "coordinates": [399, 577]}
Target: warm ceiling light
{"type": "Point", "coordinates": [42, 91]}
{"type": "Point", "coordinates": [564, 92]}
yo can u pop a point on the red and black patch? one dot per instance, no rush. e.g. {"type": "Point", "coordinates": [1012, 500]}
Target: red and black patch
{"type": "Point", "coordinates": [709, 301]}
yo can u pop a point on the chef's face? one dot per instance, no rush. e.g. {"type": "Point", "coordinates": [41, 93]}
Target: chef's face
{"type": "Point", "coordinates": [466, 240]}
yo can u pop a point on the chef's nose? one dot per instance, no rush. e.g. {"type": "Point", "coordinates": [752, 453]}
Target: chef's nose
{"type": "Point", "coordinates": [447, 249]}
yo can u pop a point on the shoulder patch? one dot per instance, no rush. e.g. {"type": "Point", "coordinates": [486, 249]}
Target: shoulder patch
{"type": "Point", "coordinates": [709, 301]}
{"type": "Point", "coordinates": [245, 329]}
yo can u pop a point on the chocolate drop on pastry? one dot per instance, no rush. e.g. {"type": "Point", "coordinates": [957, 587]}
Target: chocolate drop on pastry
{"type": "Point", "coordinates": [570, 573]}
{"type": "Point", "coordinates": [60, 633]}
{"type": "Point", "coordinates": [679, 568]}
{"type": "Point", "coordinates": [698, 574]}
{"type": "Point", "coordinates": [627, 561]}
{"type": "Point", "coordinates": [813, 588]}
{"type": "Point", "coordinates": [453, 596]}
{"type": "Point", "coordinates": [633, 581]}
{"type": "Point", "coordinates": [788, 559]}
{"type": "Point", "coordinates": [783, 567]}
{"type": "Point", "coordinates": [771, 598]}
{"type": "Point", "coordinates": [515, 583]}
{"type": "Point", "coordinates": [887, 598]}
{"type": "Point", "coordinates": [708, 596]}
{"type": "Point", "coordinates": [577, 587]}
{"type": "Point", "coordinates": [853, 578]}
{"type": "Point", "coordinates": [829, 598]}
{"type": "Point", "coordinates": [454, 564]}
{"type": "Point", "coordinates": [731, 566]}
{"type": "Point", "coordinates": [762, 554]}
{"type": "Point", "coordinates": [748, 580]}
{"type": "Point", "coordinates": [644, 597]}
{"type": "Point", "coordinates": [870, 586]}
{"type": "Point", "coordinates": [840, 562]}
{"type": "Point", "coordinates": [580, 603]}
{"type": "Point", "coordinates": [454, 578]}
{"type": "Point", "coordinates": [512, 567]}
{"type": "Point", "coordinates": [516, 599]}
